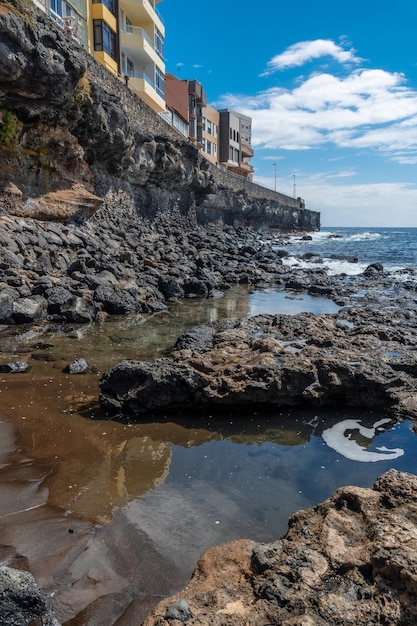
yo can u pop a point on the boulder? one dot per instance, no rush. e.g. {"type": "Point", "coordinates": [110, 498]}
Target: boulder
{"type": "Point", "coordinates": [22, 603]}
{"type": "Point", "coordinates": [29, 310]}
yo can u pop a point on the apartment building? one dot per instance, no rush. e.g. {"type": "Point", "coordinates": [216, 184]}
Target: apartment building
{"type": "Point", "coordinates": [211, 120]}
{"type": "Point", "coordinates": [176, 99]}
{"type": "Point", "coordinates": [196, 101]}
{"type": "Point", "coordinates": [235, 150]}
{"type": "Point", "coordinates": [187, 110]}
{"type": "Point", "coordinates": [126, 36]}
{"type": "Point", "coordinates": [142, 36]}
{"type": "Point", "coordinates": [224, 137]}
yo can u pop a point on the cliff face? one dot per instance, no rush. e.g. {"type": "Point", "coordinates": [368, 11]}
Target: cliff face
{"type": "Point", "coordinates": [70, 132]}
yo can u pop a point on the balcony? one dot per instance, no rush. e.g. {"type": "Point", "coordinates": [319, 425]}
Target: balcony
{"type": "Point", "coordinates": [247, 151]}
{"type": "Point", "coordinates": [142, 12]}
{"type": "Point", "coordinates": [146, 89]}
{"type": "Point", "coordinates": [138, 46]}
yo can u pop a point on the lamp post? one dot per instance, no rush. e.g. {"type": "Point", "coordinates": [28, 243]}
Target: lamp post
{"type": "Point", "coordinates": [275, 177]}
{"type": "Point", "coordinates": [293, 188]}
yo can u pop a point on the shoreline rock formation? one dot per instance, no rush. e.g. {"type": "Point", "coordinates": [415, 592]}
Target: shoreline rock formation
{"type": "Point", "coordinates": [348, 561]}
{"type": "Point", "coordinates": [354, 358]}
{"type": "Point", "coordinates": [102, 207]}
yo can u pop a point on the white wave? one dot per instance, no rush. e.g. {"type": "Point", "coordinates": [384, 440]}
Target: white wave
{"type": "Point", "coordinates": [333, 266]}
{"type": "Point", "coordinates": [337, 439]}
{"type": "Point", "coordinates": [324, 236]}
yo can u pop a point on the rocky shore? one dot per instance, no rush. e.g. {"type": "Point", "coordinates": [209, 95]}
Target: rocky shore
{"type": "Point", "coordinates": [104, 214]}
{"type": "Point", "coordinates": [119, 263]}
{"type": "Point", "coordinates": [348, 561]}
{"type": "Point", "coordinates": [357, 358]}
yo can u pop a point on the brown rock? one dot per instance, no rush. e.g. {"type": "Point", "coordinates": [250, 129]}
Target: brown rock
{"type": "Point", "coordinates": [351, 560]}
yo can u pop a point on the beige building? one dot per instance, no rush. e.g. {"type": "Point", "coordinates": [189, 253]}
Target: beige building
{"type": "Point", "coordinates": [224, 137]}
{"type": "Point", "coordinates": [211, 120]}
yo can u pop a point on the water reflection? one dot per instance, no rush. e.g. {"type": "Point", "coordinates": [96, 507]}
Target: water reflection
{"type": "Point", "coordinates": [98, 507]}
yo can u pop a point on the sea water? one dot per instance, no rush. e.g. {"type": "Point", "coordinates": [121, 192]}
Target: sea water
{"type": "Point", "coordinates": [395, 248]}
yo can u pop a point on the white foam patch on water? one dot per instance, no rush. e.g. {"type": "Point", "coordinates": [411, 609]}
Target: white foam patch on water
{"type": "Point", "coordinates": [337, 439]}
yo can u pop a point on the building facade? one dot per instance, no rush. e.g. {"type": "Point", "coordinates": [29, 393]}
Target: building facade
{"type": "Point", "coordinates": [211, 120]}
{"type": "Point", "coordinates": [235, 149]}
{"type": "Point", "coordinates": [176, 99]}
{"type": "Point", "coordinates": [142, 36]}
{"type": "Point", "coordinates": [126, 36]}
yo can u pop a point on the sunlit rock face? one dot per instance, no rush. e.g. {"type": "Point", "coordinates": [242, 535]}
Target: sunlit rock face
{"type": "Point", "coordinates": [350, 560]}
{"type": "Point", "coordinates": [280, 360]}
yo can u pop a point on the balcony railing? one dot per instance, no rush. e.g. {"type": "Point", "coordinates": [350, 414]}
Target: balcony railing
{"type": "Point", "coordinates": [137, 31]}
{"type": "Point", "coordinates": [149, 5]}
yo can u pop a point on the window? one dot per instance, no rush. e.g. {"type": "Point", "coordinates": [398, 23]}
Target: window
{"type": "Point", "coordinates": [159, 82]}
{"type": "Point", "coordinates": [130, 69]}
{"type": "Point", "coordinates": [104, 38]}
{"type": "Point", "coordinates": [56, 7]}
{"type": "Point", "coordinates": [159, 43]}
{"type": "Point", "coordinates": [109, 4]}
{"type": "Point", "coordinates": [129, 25]}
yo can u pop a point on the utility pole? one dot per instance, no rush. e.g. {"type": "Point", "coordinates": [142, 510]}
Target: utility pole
{"type": "Point", "coordinates": [275, 177]}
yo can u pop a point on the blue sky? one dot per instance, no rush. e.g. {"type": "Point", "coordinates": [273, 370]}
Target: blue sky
{"type": "Point", "coordinates": [331, 88]}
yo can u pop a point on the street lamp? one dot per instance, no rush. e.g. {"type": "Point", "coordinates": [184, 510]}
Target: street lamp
{"type": "Point", "coordinates": [293, 188]}
{"type": "Point", "coordinates": [275, 178]}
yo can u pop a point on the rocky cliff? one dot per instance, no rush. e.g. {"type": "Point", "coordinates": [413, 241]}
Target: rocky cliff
{"type": "Point", "coordinates": [70, 132]}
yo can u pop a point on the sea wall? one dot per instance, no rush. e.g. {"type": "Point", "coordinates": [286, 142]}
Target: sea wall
{"type": "Point", "coordinates": [70, 132]}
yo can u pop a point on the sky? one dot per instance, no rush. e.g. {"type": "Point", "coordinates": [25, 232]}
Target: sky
{"type": "Point", "coordinates": [331, 88]}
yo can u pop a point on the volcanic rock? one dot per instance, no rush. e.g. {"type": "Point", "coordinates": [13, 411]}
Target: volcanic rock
{"type": "Point", "coordinates": [349, 561]}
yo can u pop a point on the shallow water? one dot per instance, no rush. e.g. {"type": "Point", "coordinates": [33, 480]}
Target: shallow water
{"type": "Point", "coordinates": [97, 508]}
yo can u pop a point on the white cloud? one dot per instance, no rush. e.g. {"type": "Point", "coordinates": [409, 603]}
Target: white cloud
{"type": "Point", "coordinates": [367, 108]}
{"type": "Point", "coordinates": [342, 204]}
{"type": "Point", "coordinates": [305, 51]}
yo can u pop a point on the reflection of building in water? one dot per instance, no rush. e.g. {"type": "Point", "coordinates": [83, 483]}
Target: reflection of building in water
{"type": "Point", "coordinates": [128, 470]}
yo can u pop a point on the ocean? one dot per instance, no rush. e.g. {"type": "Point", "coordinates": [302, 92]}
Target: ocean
{"type": "Point", "coordinates": [395, 248]}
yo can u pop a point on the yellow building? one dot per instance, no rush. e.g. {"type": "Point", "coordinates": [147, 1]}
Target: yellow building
{"type": "Point", "coordinates": [103, 37]}
{"type": "Point", "coordinates": [126, 36]}
{"type": "Point", "coordinates": [142, 35]}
